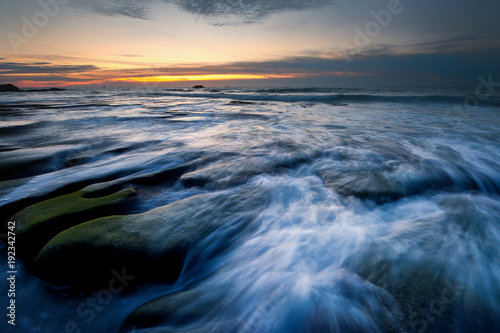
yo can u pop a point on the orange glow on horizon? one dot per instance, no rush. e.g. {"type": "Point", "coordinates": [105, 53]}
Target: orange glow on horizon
{"type": "Point", "coordinates": [41, 80]}
{"type": "Point", "coordinates": [201, 77]}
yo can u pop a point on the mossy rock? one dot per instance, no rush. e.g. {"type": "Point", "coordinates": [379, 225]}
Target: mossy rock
{"type": "Point", "coordinates": [39, 223]}
{"type": "Point", "coordinates": [152, 245]}
{"type": "Point", "coordinates": [18, 197]}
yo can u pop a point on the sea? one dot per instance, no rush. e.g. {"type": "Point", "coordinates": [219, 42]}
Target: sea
{"type": "Point", "coordinates": [381, 214]}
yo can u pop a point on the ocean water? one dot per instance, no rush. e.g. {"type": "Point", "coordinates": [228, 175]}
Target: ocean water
{"type": "Point", "coordinates": [381, 213]}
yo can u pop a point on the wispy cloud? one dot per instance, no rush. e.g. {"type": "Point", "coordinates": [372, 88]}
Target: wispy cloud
{"type": "Point", "coordinates": [230, 12]}
{"type": "Point", "coordinates": [221, 12]}
{"type": "Point", "coordinates": [132, 8]}
{"type": "Point", "coordinates": [370, 67]}
{"type": "Point", "coordinates": [130, 55]}
{"type": "Point", "coordinates": [43, 68]}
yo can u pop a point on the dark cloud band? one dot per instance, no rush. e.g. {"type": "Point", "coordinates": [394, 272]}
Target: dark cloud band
{"type": "Point", "coordinates": [131, 8]}
{"type": "Point", "coordinates": [221, 12]}
{"type": "Point", "coordinates": [43, 68]}
{"type": "Point", "coordinates": [230, 12]}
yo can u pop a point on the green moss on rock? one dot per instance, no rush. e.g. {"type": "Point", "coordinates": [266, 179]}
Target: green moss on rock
{"type": "Point", "coordinates": [152, 245]}
{"type": "Point", "coordinates": [39, 223]}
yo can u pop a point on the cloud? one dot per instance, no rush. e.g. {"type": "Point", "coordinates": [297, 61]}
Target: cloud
{"type": "Point", "coordinates": [43, 68]}
{"type": "Point", "coordinates": [132, 8]}
{"type": "Point", "coordinates": [222, 12]}
{"type": "Point", "coordinates": [460, 68]}
{"type": "Point", "coordinates": [130, 55]}
{"type": "Point", "coordinates": [234, 12]}
{"type": "Point", "coordinates": [371, 67]}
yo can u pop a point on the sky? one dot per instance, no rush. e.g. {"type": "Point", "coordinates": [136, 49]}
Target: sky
{"type": "Point", "coordinates": [46, 43]}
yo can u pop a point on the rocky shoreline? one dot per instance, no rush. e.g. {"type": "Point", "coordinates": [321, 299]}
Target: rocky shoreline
{"type": "Point", "coordinates": [12, 88]}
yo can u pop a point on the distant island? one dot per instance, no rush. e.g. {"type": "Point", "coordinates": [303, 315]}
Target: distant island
{"type": "Point", "coordinates": [12, 88]}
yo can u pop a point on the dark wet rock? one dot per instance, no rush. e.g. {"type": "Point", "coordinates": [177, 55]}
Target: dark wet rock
{"type": "Point", "coordinates": [175, 113]}
{"type": "Point", "coordinates": [12, 88]}
{"type": "Point", "coordinates": [7, 185]}
{"type": "Point", "coordinates": [391, 150]}
{"type": "Point", "coordinates": [392, 182]}
{"type": "Point", "coordinates": [245, 116]}
{"type": "Point", "coordinates": [181, 309]}
{"type": "Point", "coordinates": [44, 90]}
{"type": "Point", "coordinates": [241, 103]}
{"type": "Point", "coordinates": [215, 307]}
{"type": "Point", "coordinates": [37, 224]}
{"type": "Point", "coordinates": [428, 275]}
{"type": "Point", "coordinates": [222, 175]}
{"type": "Point", "coordinates": [152, 245]}
{"type": "Point", "coordinates": [68, 182]}
{"type": "Point", "coordinates": [26, 162]}
{"type": "Point", "coordinates": [237, 172]}
{"type": "Point", "coordinates": [369, 184]}
{"type": "Point", "coordinates": [166, 310]}
{"type": "Point", "coordinates": [8, 88]}
{"type": "Point", "coordinates": [173, 173]}
{"type": "Point", "coordinates": [198, 86]}
{"type": "Point", "coordinates": [17, 198]}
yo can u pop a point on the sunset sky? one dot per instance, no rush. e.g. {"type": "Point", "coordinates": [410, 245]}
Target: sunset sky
{"type": "Point", "coordinates": [245, 42]}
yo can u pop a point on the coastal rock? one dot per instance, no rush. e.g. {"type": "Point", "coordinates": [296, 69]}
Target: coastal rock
{"type": "Point", "coordinates": [389, 183]}
{"type": "Point", "coordinates": [238, 171]}
{"type": "Point", "coordinates": [37, 224]}
{"type": "Point", "coordinates": [16, 193]}
{"type": "Point", "coordinates": [222, 175]}
{"type": "Point", "coordinates": [422, 272]}
{"type": "Point", "coordinates": [179, 309]}
{"type": "Point", "coordinates": [43, 90]}
{"type": "Point", "coordinates": [24, 162]}
{"type": "Point", "coordinates": [8, 88]}
{"type": "Point", "coordinates": [8, 185]}
{"type": "Point", "coordinates": [370, 184]}
{"type": "Point", "coordinates": [241, 103]}
{"type": "Point", "coordinates": [198, 86]}
{"type": "Point", "coordinates": [12, 88]}
{"type": "Point", "coordinates": [152, 245]}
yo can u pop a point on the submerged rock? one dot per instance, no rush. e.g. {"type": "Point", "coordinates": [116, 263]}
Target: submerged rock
{"type": "Point", "coordinates": [165, 309]}
{"type": "Point", "coordinates": [241, 103]}
{"type": "Point", "coordinates": [222, 175]}
{"type": "Point", "coordinates": [152, 245]}
{"type": "Point", "coordinates": [369, 184]}
{"type": "Point", "coordinates": [389, 183]}
{"type": "Point", "coordinates": [284, 305]}
{"type": "Point", "coordinates": [432, 265]}
{"type": "Point", "coordinates": [184, 308]}
{"type": "Point", "coordinates": [238, 171]}
{"type": "Point", "coordinates": [24, 162]}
